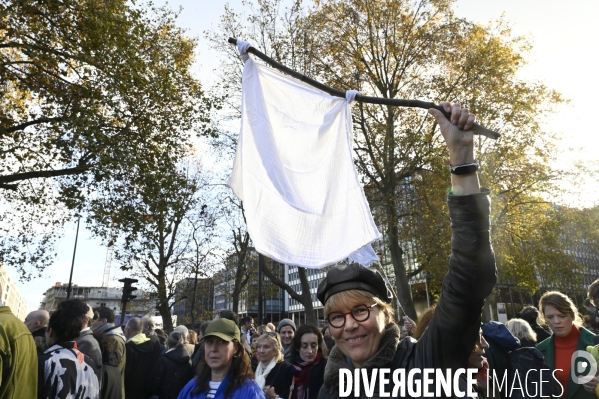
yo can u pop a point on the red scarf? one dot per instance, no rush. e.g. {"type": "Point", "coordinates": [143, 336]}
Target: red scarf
{"type": "Point", "coordinates": [302, 376]}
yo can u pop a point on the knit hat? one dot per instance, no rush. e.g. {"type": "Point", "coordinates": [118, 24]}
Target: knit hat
{"type": "Point", "coordinates": [286, 322]}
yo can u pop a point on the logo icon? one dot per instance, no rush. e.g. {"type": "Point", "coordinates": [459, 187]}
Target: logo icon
{"type": "Point", "coordinates": [582, 361]}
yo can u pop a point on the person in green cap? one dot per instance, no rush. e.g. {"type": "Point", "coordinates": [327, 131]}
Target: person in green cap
{"type": "Point", "coordinates": [225, 371]}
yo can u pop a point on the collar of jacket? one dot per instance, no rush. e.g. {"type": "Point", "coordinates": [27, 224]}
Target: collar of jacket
{"type": "Point", "coordinates": [139, 339]}
{"type": "Point", "coordinates": [40, 332]}
{"type": "Point", "coordinates": [382, 358]}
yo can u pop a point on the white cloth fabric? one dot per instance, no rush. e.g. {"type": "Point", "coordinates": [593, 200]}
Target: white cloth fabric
{"type": "Point", "coordinates": [262, 372]}
{"type": "Point", "coordinates": [243, 47]}
{"type": "Point", "coordinates": [295, 173]}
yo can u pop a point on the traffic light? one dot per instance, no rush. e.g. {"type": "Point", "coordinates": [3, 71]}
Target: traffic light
{"type": "Point", "coordinates": [128, 289]}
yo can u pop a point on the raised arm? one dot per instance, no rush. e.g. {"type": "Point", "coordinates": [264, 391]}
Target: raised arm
{"type": "Point", "coordinates": [449, 338]}
{"type": "Point", "coordinates": [460, 144]}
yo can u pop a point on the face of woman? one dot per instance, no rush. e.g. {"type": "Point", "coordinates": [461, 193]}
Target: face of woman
{"type": "Point", "coordinates": [254, 343]}
{"type": "Point", "coordinates": [309, 347]}
{"type": "Point", "coordinates": [560, 323]}
{"type": "Point", "coordinates": [359, 340]}
{"type": "Point", "coordinates": [219, 354]}
{"type": "Point", "coordinates": [266, 350]}
{"type": "Point", "coordinates": [477, 356]}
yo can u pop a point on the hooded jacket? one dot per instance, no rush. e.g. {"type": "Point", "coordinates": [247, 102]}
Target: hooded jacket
{"type": "Point", "coordinates": [448, 340]}
{"type": "Point", "coordinates": [172, 372]}
{"type": "Point", "coordinates": [116, 333]}
{"type": "Point", "coordinates": [112, 387]}
{"type": "Point", "coordinates": [141, 359]}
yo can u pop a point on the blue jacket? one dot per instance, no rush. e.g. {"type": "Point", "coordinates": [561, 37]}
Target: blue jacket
{"type": "Point", "coordinates": [249, 390]}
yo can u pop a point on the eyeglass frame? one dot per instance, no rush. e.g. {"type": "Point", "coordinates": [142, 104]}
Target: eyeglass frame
{"type": "Point", "coordinates": [351, 313]}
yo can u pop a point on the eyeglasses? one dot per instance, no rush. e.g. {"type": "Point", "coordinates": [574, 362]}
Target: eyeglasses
{"type": "Point", "coordinates": [359, 313]}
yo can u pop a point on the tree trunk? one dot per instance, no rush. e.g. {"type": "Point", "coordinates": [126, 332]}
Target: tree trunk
{"type": "Point", "coordinates": [305, 298]}
{"type": "Point", "coordinates": [307, 295]}
{"type": "Point", "coordinates": [236, 295]}
{"type": "Point", "coordinates": [162, 306]}
{"type": "Point", "coordinates": [401, 281]}
{"type": "Point", "coordinates": [193, 300]}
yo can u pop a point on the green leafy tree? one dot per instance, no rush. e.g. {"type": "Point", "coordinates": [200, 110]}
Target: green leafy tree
{"type": "Point", "coordinates": [161, 222]}
{"type": "Point", "coordinates": [92, 92]}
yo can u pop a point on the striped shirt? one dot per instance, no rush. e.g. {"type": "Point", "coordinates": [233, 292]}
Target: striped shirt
{"type": "Point", "coordinates": [213, 388]}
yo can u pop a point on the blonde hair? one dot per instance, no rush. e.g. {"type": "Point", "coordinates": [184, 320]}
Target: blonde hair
{"type": "Point", "coordinates": [521, 330]}
{"type": "Point", "coordinates": [423, 321]}
{"type": "Point", "coordinates": [341, 299]}
{"type": "Point", "coordinates": [275, 340]}
{"type": "Point", "coordinates": [562, 303]}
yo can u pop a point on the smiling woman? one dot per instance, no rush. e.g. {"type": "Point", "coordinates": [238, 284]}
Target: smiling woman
{"type": "Point", "coordinates": [224, 372]}
{"type": "Point", "coordinates": [357, 302]}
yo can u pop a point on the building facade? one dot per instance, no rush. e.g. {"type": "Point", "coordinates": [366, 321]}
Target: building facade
{"type": "Point", "coordinates": [202, 303]}
{"type": "Point", "coordinates": [10, 295]}
{"type": "Point", "coordinates": [99, 296]}
{"type": "Point", "coordinates": [274, 299]}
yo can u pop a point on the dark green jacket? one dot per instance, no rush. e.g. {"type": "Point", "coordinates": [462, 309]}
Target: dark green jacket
{"type": "Point", "coordinates": [573, 391]}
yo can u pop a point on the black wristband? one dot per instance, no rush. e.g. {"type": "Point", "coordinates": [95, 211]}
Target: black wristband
{"type": "Point", "coordinates": [465, 169]}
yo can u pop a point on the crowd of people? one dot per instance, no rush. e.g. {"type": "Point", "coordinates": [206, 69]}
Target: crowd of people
{"type": "Point", "coordinates": [79, 352]}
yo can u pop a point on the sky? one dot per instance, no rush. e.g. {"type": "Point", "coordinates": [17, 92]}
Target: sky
{"type": "Point", "coordinates": [565, 44]}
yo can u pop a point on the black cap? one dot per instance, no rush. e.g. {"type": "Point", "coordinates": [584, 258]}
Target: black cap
{"type": "Point", "coordinates": [353, 277]}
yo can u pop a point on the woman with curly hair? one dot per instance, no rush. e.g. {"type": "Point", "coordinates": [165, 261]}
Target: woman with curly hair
{"type": "Point", "coordinates": [224, 372]}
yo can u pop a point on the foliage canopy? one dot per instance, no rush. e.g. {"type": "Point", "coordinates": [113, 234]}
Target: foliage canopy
{"type": "Point", "coordinates": [96, 95]}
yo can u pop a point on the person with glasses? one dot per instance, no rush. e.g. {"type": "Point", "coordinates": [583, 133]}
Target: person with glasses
{"type": "Point", "coordinates": [357, 303]}
{"type": "Point", "coordinates": [273, 375]}
{"type": "Point", "coordinates": [310, 362]}
{"type": "Point", "coordinates": [224, 372]}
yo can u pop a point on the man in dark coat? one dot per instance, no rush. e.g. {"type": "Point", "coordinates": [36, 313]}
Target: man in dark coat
{"type": "Point", "coordinates": [148, 329]}
{"type": "Point", "coordinates": [37, 323]}
{"type": "Point", "coordinates": [87, 344]}
{"type": "Point", "coordinates": [141, 358]}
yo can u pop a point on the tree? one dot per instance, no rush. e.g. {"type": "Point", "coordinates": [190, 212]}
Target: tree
{"type": "Point", "coordinates": [304, 297]}
{"type": "Point", "coordinates": [200, 264]}
{"type": "Point", "coordinates": [419, 49]}
{"type": "Point", "coordinates": [92, 91]}
{"type": "Point", "coordinates": [158, 223]}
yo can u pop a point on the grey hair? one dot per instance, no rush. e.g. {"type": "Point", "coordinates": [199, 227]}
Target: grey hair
{"type": "Point", "coordinates": [183, 330]}
{"type": "Point", "coordinates": [148, 322]}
